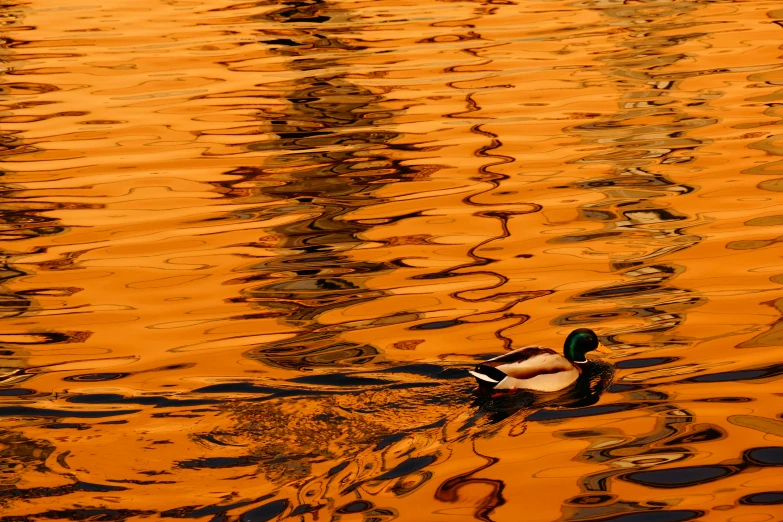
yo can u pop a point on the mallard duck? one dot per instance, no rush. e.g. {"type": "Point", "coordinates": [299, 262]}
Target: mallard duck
{"type": "Point", "coordinates": [537, 368]}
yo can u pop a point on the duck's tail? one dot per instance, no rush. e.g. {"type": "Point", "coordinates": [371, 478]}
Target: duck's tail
{"type": "Point", "coordinates": [482, 378]}
{"type": "Point", "coordinates": [487, 375]}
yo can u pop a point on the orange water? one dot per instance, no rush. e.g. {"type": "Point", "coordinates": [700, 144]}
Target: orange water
{"type": "Point", "coordinates": [251, 249]}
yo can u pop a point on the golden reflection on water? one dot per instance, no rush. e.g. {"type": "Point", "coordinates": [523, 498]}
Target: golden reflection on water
{"type": "Point", "coordinates": [250, 249]}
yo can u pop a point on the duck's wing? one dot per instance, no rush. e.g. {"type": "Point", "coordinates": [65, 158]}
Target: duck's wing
{"type": "Point", "coordinates": [545, 382]}
{"type": "Point", "coordinates": [543, 362]}
{"type": "Point", "coordinates": [519, 355]}
{"type": "Point", "coordinates": [487, 375]}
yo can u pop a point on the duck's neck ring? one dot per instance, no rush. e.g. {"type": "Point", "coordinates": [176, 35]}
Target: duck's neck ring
{"type": "Point", "coordinates": [580, 362]}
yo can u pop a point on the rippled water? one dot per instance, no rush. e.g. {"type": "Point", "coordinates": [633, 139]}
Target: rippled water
{"type": "Point", "coordinates": [250, 249]}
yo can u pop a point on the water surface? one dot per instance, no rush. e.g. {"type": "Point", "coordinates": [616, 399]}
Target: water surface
{"type": "Point", "coordinates": [249, 250]}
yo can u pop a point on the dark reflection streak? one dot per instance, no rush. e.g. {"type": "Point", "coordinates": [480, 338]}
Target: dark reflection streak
{"type": "Point", "coordinates": [494, 179]}
{"type": "Point", "coordinates": [681, 477]}
{"type": "Point", "coordinates": [23, 220]}
{"type": "Point", "coordinates": [637, 203]}
{"type": "Point", "coordinates": [199, 511]}
{"type": "Point", "coordinates": [632, 189]}
{"type": "Point", "coordinates": [767, 498]}
{"type": "Point", "coordinates": [18, 220]}
{"type": "Point", "coordinates": [470, 102]}
{"type": "Point", "coordinates": [327, 166]}
{"type": "Point", "coordinates": [323, 128]}
{"type": "Point", "coordinates": [448, 491]}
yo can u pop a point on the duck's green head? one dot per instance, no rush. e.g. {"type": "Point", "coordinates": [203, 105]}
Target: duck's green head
{"type": "Point", "coordinates": [578, 343]}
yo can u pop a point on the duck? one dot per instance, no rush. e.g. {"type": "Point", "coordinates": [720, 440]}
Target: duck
{"type": "Point", "coordinates": [537, 368]}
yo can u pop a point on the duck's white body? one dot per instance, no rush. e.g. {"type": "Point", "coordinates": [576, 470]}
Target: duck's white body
{"type": "Point", "coordinates": [530, 368]}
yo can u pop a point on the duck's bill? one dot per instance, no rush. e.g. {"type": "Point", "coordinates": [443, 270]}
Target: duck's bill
{"type": "Point", "coordinates": [604, 350]}
{"type": "Point", "coordinates": [482, 377]}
